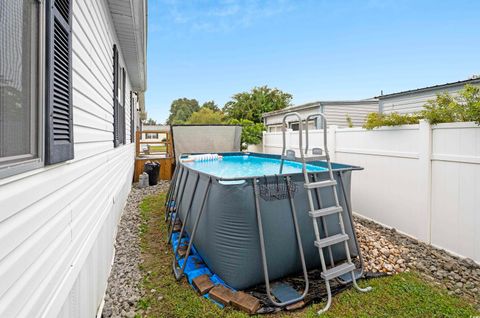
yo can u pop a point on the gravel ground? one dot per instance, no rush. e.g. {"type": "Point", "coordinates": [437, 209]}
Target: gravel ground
{"type": "Point", "coordinates": [384, 250]}
{"type": "Point", "coordinates": [123, 284]}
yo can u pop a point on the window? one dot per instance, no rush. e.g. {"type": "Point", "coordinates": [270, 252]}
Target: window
{"type": "Point", "coordinates": [35, 84]}
{"type": "Point", "coordinates": [152, 136]}
{"type": "Point", "coordinates": [312, 124]}
{"type": "Point", "coordinates": [119, 77]}
{"type": "Point", "coordinates": [19, 79]}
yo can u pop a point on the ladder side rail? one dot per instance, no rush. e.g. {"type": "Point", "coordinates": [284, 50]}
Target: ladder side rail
{"type": "Point", "coordinates": [284, 142]}
{"type": "Point", "coordinates": [298, 236]}
{"type": "Point", "coordinates": [324, 224]}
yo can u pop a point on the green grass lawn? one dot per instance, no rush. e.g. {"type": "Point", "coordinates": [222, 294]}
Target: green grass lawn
{"type": "Point", "coordinates": [158, 148]}
{"type": "Point", "coordinates": [402, 295]}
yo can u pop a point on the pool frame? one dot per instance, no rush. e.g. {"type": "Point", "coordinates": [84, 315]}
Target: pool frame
{"type": "Point", "coordinates": [175, 191]}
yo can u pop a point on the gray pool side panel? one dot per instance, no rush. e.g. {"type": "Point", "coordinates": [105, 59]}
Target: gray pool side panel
{"type": "Point", "coordinates": [227, 235]}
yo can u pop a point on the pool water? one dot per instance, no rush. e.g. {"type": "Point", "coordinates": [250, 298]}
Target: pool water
{"type": "Point", "coordinates": [248, 166]}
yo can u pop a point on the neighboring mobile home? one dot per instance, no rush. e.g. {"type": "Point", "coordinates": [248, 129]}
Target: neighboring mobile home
{"type": "Point", "coordinates": [412, 101]}
{"type": "Point", "coordinates": [72, 77]}
{"type": "Point", "coordinates": [336, 113]}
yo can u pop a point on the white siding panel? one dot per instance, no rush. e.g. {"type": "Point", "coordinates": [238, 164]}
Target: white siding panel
{"type": "Point", "coordinates": [58, 223]}
{"type": "Point", "coordinates": [336, 114]}
{"type": "Point", "coordinates": [414, 102]}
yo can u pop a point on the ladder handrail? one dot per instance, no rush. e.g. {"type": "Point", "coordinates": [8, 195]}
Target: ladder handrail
{"type": "Point", "coordinates": [324, 125]}
{"type": "Point", "coordinates": [300, 132]}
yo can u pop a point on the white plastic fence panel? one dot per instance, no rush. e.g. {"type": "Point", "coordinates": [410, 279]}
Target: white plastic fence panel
{"type": "Point", "coordinates": [456, 188]}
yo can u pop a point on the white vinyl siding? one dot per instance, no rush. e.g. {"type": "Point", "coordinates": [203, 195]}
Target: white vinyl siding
{"type": "Point", "coordinates": [336, 113]}
{"type": "Point", "coordinates": [58, 223]}
{"type": "Point", "coordinates": [414, 102]}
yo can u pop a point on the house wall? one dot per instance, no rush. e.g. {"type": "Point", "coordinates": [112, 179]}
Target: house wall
{"type": "Point", "coordinates": [58, 223]}
{"type": "Point", "coordinates": [414, 102]}
{"type": "Point", "coordinates": [422, 180]}
{"type": "Point", "coordinates": [336, 114]}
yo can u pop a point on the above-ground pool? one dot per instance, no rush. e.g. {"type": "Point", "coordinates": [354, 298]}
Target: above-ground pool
{"type": "Point", "coordinates": [227, 236]}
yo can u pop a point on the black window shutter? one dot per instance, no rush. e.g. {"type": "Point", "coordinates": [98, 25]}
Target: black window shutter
{"type": "Point", "coordinates": [132, 118]}
{"type": "Point", "coordinates": [116, 140]}
{"type": "Point", "coordinates": [59, 119]}
{"type": "Point", "coordinates": [123, 132]}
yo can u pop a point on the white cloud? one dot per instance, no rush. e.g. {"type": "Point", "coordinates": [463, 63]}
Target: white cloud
{"type": "Point", "coordinates": [220, 15]}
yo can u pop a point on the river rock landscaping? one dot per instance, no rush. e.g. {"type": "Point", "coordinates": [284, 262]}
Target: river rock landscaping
{"type": "Point", "coordinates": [386, 250]}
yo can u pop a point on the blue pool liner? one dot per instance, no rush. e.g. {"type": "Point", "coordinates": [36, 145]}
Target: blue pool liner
{"type": "Point", "coordinates": [196, 266]}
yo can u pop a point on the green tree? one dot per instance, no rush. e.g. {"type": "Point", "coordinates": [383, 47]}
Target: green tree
{"type": "Point", "coordinates": [211, 105]}
{"type": "Point", "coordinates": [251, 132]}
{"type": "Point", "coordinates": [181, 110]}
{"type": "Point", "coordinates": [150, 121]}
{"type": "Point", "coordinates": [251, 105]}
{"type": "Point", "coordinates": [206, 116]}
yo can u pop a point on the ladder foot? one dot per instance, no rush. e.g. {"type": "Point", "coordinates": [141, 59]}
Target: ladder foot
{"type": "Point", "coordinates": [329, 299]}
{"type": "Point", "coordinates": [360, 289]}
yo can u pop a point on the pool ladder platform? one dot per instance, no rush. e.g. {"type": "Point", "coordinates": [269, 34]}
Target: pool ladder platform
{"type": "Point", "coordinates": [345, 272]}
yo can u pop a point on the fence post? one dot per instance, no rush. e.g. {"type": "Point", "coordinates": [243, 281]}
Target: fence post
{"type": "Point", "coordinates": [425, 159]}
{"type": "Point", "coordinates": [331, 132]}
{"type": "Point", "coordinates": [264, 141]}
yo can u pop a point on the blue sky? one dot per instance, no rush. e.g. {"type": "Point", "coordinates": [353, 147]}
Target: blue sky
{"type": "Point", "coordinates": [313, 49]}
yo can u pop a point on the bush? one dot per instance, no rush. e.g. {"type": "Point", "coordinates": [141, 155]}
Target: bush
{"type": "Point", "coordinates": [251, 132]}
{"type": "Point", "coordinates": [394, 119]}
{"type": "Point", "coordinates": [443, 109]}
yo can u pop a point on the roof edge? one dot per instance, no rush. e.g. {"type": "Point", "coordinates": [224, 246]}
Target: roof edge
{"type": "Point", "coordinates": [429, 88]}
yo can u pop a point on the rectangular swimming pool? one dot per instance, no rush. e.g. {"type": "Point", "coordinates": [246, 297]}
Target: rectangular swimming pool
{"type": "Point", "coordinates": [227, 236]}
{"type": "Point", "coordinates": [245, 166]}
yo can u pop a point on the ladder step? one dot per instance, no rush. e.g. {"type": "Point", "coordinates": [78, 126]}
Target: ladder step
{"type": "Point", "coordinates": [325, 211]}
{"type": "Point", "coordinates": [320, 184]}
{"type": "Point", "coordinates": [314, 158]}
{"type": "Point", "coordinates": [338, 271]}
{"type": "Point", "coordinates": [331, 240]}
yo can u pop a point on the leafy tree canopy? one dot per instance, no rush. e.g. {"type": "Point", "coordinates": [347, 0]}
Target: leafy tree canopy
{"type": "Point", "coordinates": [211, 105]}
{"type": "Point", "coordinates": [181, 110]}
{"type": "Point", "coordinates": [251, 132]}
{"type": "Point", "coordinates": [206, 116]}
{"type": "Point", "coordinates": [150, 121]}
{"type": "Point", "coordinates": [251, 105]}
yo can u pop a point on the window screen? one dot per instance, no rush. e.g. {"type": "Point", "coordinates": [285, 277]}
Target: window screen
{"type": "Point", "coordinates": [18, 81]}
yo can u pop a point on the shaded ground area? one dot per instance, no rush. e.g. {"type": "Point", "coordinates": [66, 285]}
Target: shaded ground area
{"type": "Point", "coordinates": [158, 294]}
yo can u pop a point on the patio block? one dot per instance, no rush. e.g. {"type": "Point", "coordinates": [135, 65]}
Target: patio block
{"type": "Point", "coordinates": [203, 284]}
{"type": "Point", "coordinates": [245, 302]}
{"type": "Point", "coordinates": [221, 294]}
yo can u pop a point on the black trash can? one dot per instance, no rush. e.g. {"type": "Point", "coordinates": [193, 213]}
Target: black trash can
{"type": "Point", "coordinates": [153, 170]}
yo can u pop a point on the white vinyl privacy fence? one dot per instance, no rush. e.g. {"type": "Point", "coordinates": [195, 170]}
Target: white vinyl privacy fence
{"type": "Point", "coordinates": [422, 180]}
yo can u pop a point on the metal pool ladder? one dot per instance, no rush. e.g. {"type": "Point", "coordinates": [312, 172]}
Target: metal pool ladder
{"type": "Point", "coordinates": [335, 271]}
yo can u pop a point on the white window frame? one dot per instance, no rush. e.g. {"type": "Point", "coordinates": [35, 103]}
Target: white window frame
{"type": "Point", "coordinates": [38, 100]}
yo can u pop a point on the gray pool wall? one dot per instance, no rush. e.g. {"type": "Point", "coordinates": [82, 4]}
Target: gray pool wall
{"type": "Point", "coordinates": [227, 236]}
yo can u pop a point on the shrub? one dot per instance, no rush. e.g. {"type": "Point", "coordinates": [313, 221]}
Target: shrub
{"type": "Point", "coordinates": [394, 119]}
{"type": "Point", "coordinates": [443, 109]}
{"type": "Point", "coordinates": [251, 132]}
